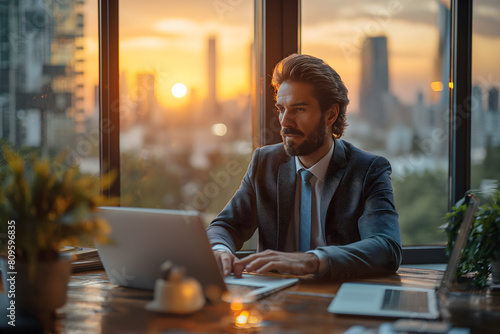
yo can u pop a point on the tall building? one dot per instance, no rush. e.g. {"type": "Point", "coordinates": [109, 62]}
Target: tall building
{"type": "Point", "coordinates": [441, 72]}
{"type": "Point", "coordinates": [493, 99]}
{"type": "Point", "coordinates": [485, 122]}
{"type": "Point", "coordinates": [492, 119]}
{"type": "Point", "coordinates": [374, 90]}
{"type": "Point", "coordinates": [212, 102]}
{"type": "Point", "coordinates": [146, 100]}
{"type": "Point", "coordinates": [7, 97]}
{"type": "Point", "coordinates": [439, 86]}
{"type": "Point", "coordinates": [41, 68]}
{"type": "Point", "coordinates": [478, 136]}
{"type": "Point", "coordinates": [476, 99]}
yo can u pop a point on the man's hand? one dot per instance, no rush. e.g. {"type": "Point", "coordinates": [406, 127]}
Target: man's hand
{"type": "Point", "coordinates": [225, 260]}
{"type": "Point", "coordinates": [285, 263]}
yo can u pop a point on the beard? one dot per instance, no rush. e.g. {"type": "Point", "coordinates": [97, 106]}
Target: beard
{"type": "Point", "coordinates": [311, 142]}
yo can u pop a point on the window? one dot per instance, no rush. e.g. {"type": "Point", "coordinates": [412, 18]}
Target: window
{"type": "Point", "coordinates": [188, 147]}
{"type": "Point", "coordinates": [48, 78]}
{"type": "Point", "coordinates": [394, 58]}
{"type": "Point", "coordinates": [485, 141]}
{"type": "Point", "coordinates": [185, 113]}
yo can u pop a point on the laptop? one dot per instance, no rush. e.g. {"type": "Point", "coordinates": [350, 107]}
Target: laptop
{"type": "Point", "coordinates": [405, 302]}
{"type": "Point", "coordinates": [143, 239]}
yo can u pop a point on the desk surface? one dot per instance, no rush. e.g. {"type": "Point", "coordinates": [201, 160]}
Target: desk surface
{"type": "Point", "coordinates": [96, 306]}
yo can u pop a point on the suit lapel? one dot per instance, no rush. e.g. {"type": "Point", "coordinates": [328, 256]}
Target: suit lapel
{"type": "Point", "coordinates": [334, 174]}
{"type": "Point", "coordinates": [286, 195]}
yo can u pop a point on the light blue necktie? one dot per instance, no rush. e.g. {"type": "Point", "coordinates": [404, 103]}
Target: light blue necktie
{"type": "Point", "coordinates": [305, 212]}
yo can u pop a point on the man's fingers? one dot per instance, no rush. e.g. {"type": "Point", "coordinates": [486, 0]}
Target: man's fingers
{"type": "Point", "coordinates": [286, 263]}
{"type": "Point", "coordinates": [245, 263]}
{"type": "Point", "coordinates": [247, 259]}
{"type": "Point", "coordinates": [258, 263]}
{"type": "Point", "coordinates": [227, 263]}
{"type": "Point", "coordinates": [242, 264]}
{"type": "Point", "coordinates": [272, 265]}
{"type": "Point", "coordinates": [238, 268]}
{"type": "Point", "coordinates": [219, 261]}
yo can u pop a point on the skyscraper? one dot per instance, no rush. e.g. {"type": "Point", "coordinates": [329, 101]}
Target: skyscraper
{"type": "Point", "coordinates": [493, 99]}
{"type": "Point", "coordinates": [146, 100]}
{"type": "Point", "coordinates": [212, 104]}
{"type": "Point", "coordinates": [374, 89]}
{"type": "Point", "coordinates": [41, 68]}
{"type": "Point", "coordinates": [441, 72]}
{"type": "Point", "coordinates": [476, 100]}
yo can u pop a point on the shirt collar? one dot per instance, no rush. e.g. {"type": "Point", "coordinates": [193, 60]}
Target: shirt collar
{"type": "Point", "coordinates": [319, 169]}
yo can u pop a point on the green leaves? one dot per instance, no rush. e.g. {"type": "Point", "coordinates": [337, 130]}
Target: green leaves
{"type": "Point", "coordinates": [483, 246]}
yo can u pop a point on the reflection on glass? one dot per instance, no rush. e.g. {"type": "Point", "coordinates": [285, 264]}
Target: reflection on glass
{"type": "Point", "coordinates": [48, 69]}
{"type": "Point", "coordinates": [185, 114]}
{"type": "Point", "coordinates": [394, 59]}
{"type": "Point", "coordinates": [485, 145]}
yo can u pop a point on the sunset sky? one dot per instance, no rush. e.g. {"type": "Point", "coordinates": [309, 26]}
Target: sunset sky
{"type": "Point", "coordinates": [170, 39]}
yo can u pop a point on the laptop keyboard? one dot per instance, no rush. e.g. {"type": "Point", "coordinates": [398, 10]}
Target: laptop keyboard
{"type": "Point", "coordinates": [403, 300]}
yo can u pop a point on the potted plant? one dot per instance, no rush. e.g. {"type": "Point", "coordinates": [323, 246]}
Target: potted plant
{"type": "Point", "coordinates": [43, 208]}
{"type": "Point", "coordinates": [481, 256]}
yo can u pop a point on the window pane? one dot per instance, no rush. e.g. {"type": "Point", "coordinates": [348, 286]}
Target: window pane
{"type": "Point", "coordinates": [48, 74]}
{"type": "Point", "coordinates": [485, 145]}
{"type": "Point", "coordinates": [48, 77]}
{"type": "Point", "coordinates": [394, 59]}
{"type": "Point", "coordinates": [185, 114]}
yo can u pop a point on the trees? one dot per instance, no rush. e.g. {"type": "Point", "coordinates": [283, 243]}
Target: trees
{"type": "Point", "coordinates": [421, 201]}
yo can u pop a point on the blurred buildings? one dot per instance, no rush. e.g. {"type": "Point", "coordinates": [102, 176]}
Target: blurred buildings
{"type": "Point", "coordinates": [374, 91]}
{"type": "Point", "coordinates": [187, 141]}
{"type": "Point", "coordinates": [41, 72]}
{"type": "Point", "coordinates": [485, 121]}
{"type": "Point", "coordinates": [413, 137]}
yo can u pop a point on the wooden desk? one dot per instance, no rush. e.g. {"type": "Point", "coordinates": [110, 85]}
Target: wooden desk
{"type": "Point", "coordinates": [96, 306]}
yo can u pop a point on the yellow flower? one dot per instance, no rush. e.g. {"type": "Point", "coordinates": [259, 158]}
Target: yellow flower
{"type": "Point", "coordinates": [14, 161]}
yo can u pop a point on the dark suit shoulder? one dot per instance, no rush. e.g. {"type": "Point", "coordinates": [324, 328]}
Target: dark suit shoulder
{"type": "Point", "coordinates": [359, 156]}
{"type": "Point", "coordinates": [273, 153]}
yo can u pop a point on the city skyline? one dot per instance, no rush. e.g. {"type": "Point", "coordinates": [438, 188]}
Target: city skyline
{"type": "Point", "coordinates": [169, 46]}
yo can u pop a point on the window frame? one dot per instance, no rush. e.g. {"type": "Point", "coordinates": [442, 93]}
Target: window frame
{"type": "Point", "coordinates": [109, 95]}
{"type": "Point", "coordinates": [277, 35]}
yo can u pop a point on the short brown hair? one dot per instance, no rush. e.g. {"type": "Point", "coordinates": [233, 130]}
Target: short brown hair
{"type": "Point", "coordinates": [328, 86]}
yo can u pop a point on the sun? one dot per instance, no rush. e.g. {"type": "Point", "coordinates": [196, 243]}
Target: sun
{"type": "Point", "coordinates": [219, 129]}
{"type": "Point", "coordinates": [179, 90]}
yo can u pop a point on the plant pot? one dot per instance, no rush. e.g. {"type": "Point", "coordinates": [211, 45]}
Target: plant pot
{"type": "Point", "coordinates": [42, 293]}
{"type": "Point", "coordinates": [495, 272]}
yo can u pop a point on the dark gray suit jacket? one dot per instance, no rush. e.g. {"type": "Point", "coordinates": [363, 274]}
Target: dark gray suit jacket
{"type": "Point", "coordinates": [357, 206]}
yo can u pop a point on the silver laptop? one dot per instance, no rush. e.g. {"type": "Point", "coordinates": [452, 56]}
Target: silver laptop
{"type": "Point", "coordinates": [404, 302]}
{"type": "Point", "coordinates": [143, 239]}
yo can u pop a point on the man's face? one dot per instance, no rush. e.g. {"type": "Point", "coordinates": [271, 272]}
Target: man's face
{"type": "Point", "coordinates": [303, 127]}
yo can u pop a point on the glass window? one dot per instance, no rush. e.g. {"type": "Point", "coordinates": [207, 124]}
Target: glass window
{"type": "Point", "coordinates": [49, 72]}
{"type": "Point", "coordinates": [485, 142]}
{"type": "Point", "coordinates": [394, 58]}
{"type": "Point", "coordinates": [185, 113]}
{"type": "Point", "coordinates": [48, 77]}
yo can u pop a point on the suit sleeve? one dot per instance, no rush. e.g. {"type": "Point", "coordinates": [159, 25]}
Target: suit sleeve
{"type": "Point", "coordinates": [238, 220]}
{"type": "Point", "coordinates": [379, 250]}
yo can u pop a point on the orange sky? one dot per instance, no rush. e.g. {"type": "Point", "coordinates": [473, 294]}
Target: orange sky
{"type": "Point", "coordinates": [171, 42]}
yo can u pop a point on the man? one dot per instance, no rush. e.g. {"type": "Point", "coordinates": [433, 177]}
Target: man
{"type": "Point", "coordinates": [322, 206]}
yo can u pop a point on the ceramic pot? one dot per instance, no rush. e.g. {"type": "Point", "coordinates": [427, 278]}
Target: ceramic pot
{"type": "Point", "coordinates": [42, 293]}
{"type": "Point", "coordinates": [495, 272]}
